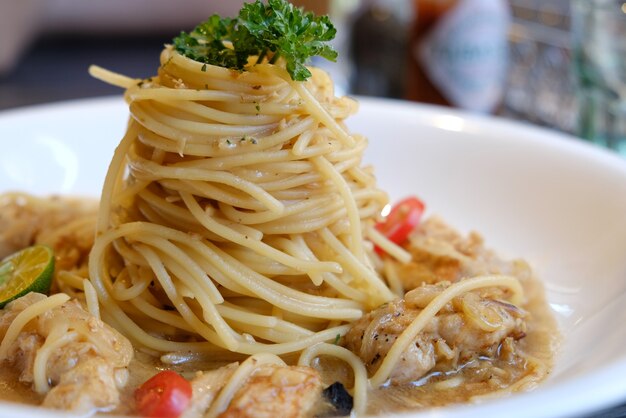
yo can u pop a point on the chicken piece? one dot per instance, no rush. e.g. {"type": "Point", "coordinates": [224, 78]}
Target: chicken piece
{"type": "Point", "coordinates": [372, 336]}
{"type": "Point", "coordinates": [25, 350]}
{"type": "Point", "coordinates": [12, 309]}
{"type": "Point", "coordinates": [272, 391]}
{"type": "Point", "coordinates": [72, 243]}
{"type": "Point", "coordinates": [88, 386]}
{"type": "Point", "coordinates": [471, 325]}
{"type": "Point", "coordinates": [428, 267]}
{"type": "Point", "coordinates": [439, 253]}
{"type": "Point", "coordinates": [205, 388]}
{"type": "Point", "coordinates": [87, 371]}
{"type": "Point", "coordinates": [96, 339]}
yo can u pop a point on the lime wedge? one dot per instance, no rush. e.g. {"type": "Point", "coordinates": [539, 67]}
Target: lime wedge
{"type": "Point", "coordinates": [28, 270]}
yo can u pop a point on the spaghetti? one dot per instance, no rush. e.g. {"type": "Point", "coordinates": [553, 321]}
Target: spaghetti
{"type": "Point", "coordinates": [239, 196]}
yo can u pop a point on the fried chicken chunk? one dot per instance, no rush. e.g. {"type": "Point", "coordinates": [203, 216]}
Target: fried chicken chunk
{"type": "Point", "coordinates": [471, 325]}
{"type": "Point", "coordinates": [271, 390]}
{"type": "Point", "coordinates": [439, 253]}
{"type": "Point", "coordinates": [86, 365]}
{"type": "Point", "coordinates": [285, 391]}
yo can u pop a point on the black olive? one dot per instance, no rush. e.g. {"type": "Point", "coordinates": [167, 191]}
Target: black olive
{"type": "Point", "coordinates": [340, 399]}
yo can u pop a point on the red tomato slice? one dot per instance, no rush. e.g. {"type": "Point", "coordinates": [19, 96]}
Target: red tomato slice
{"type": "Point", "coordinates": [403, 218]}
{"type": "Point", "coordinates": [164, 395]}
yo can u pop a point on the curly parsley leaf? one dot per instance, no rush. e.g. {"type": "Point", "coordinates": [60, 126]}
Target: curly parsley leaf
{"type": "Point", "coordinates": [205, 43]}
{"type": "Point", "coordinates": [269, 31]}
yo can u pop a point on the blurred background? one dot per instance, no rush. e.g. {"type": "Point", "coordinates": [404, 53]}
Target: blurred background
{"type": "Point", "coordinates": [512, 58]}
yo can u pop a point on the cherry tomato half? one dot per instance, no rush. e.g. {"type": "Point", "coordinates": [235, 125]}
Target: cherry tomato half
{"type": "Point", "coordinates": [403, 218]}
{"type": "Point", "coordinates": [164, 395]}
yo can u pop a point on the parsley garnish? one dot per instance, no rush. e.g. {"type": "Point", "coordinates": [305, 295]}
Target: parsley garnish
{"type": "Point", "coordinates": [269, 31]}
{"type": "Point", "coordinates": [337, 337]}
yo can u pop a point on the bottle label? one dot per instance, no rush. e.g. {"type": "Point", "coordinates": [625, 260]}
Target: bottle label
{"type": "Point", "coordinates": [465, 54]}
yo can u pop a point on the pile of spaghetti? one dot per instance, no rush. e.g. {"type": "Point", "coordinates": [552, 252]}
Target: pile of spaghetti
{"type": "Point", "coordinates": [237, 222]}
{"type": "Point", "coordinates": [234, 212]}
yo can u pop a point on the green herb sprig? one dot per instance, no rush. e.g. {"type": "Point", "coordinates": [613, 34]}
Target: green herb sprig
{"type": "Point", "coordinates": [269, 31]}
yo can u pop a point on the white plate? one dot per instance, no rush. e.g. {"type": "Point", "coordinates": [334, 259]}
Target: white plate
{"type": "Point", "coordinates": [551, 199]}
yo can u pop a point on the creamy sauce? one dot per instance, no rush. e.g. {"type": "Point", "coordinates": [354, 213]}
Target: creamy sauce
{"type": "Point", "coordinates": [12, 390]}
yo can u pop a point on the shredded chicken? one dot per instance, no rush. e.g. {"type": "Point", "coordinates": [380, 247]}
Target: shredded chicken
{"type": "Point", "coordinates": [87, 372]}
{"type": "Point", "coordinates": [470, 326]}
